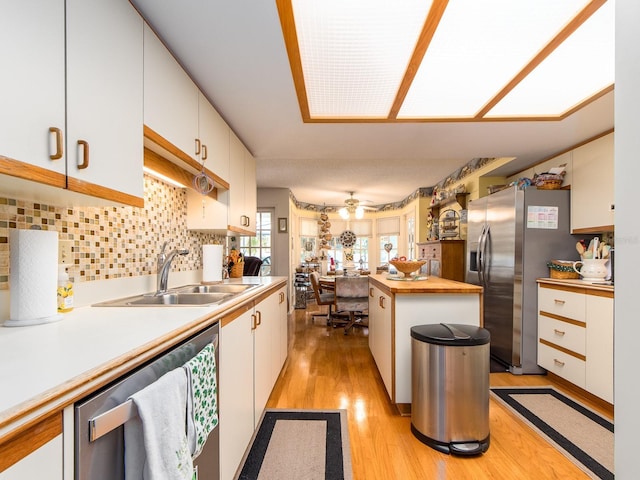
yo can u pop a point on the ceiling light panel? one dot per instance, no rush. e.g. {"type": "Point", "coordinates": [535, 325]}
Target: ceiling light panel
{"type": "Point", "coordinates": [479, 46]}
{"type": "Point", "coordinates": [354, 53]}
{"type": "Point", "coordinates": [581, 66]}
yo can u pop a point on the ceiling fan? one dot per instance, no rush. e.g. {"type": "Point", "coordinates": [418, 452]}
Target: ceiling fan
{"type": "Point", "coordinates": [352, 207]}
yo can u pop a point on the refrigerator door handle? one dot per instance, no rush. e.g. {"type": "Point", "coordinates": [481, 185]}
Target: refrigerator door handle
{"type": "Point", "coordinates": [480, 254]}
{"type": "Point", "coordinates": [485, 256]}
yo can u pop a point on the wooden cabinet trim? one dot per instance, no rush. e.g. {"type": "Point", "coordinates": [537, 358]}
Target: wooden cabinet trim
{"type": "Point", "coordinates": [577, 323]}
{"type": "Point", "coordinates": [28, 440]}
{"type": "Point", "coordinates": [563, 350]}
{"type": "Point", "coordinates": [80, 186]}
{"type": "Point", "coordinates": [16, 168]}
{"type": "Point", "coordinates": [160, 141]}
{"type": "Point", "coordinates": [579, 289]}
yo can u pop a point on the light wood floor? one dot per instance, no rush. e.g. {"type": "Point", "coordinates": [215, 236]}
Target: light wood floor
{"type": "Point", "coordinates": [327, 369]}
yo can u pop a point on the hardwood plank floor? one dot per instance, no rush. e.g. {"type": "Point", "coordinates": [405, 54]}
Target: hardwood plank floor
{"type": "Point", "coordinates": [327, 369]}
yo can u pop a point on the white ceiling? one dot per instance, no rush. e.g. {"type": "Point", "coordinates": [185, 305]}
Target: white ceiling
{"type": "Point", "coordinates": [234, 51]}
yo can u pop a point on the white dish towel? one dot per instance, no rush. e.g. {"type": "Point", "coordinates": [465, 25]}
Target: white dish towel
{"type": "Point", "coordinates": [156, 446]}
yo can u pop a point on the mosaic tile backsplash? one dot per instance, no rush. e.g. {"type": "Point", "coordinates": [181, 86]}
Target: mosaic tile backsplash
{"type": "Point", "coordinates": [112, 242]}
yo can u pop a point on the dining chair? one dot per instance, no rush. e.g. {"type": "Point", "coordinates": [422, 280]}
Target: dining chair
{"type": "Point", "coordinates": [252, 266]}
{"type": "Point", "coordinates": [352, 296]}
{"type": "Point", "coordinates": [322, 296]}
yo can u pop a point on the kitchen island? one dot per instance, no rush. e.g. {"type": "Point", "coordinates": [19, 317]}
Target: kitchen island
{"type": "Point", "coordinates": [397, 305]}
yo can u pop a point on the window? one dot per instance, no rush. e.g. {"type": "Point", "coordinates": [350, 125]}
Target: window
{"type": "Point", "coordinates": [360, 252]}
{"type": "Point", "coordinates": [386, 240]}
{"type": "Point", "coordinates": [260, 245]}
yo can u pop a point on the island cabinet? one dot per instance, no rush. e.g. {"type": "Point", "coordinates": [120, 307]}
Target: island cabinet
{"type": "Point", "coordinates": [575, 334]}
{"type": "Point", "coordinates": [397, 306]}
{"type": "Point", "coordinates": [36, 452]}
{"type": "Point", "coordinates": [72, 107]}
{"type": "Point", "coordinates": [251, 358]}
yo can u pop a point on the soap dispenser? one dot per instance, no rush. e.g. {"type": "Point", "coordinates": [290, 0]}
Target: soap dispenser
{"type": "Point", "coordinates": [65, 290]}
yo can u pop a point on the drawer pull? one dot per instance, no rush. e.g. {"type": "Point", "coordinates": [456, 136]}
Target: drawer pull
{"type": "Point", "coordinates": [558, 332]}
{"type": "Point", "coordinates": [558, 362]}
{"type": "Point", "coordinates": [558, 301]}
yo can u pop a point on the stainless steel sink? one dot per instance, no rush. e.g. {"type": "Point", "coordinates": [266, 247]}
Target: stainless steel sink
{"type": "Point", "coordinates": [189, 295]}
{"type": "Point", "coordinates": [216, 288]}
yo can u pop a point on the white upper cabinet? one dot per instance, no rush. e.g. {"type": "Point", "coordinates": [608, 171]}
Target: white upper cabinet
{"type": "Point", "coordinates": [213, 133]}
{"type": "Point", "coordinates": [104, 94]}
{"type": "Point", "coordinates": [592, 187]}
{"type": "Point", "coordinates": [97, 92]}
{"type": "Point", "coordinates": [32, 93]}
{"type": "Point", "coordinates": [242, 189]}
{"type": "Point", "coordinates": [176, 110]}
{"type": "Point", "coordinates": [170, 96]}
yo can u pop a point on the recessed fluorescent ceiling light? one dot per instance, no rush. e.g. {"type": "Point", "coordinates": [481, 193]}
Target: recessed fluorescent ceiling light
{"type": "Point", "coordinates": [354, 52]}
{"type": "Point", "coordinates": [582, 65]}
{"type": "Point", "coordinates": [478, 48]}
{"type": "Point", "coordinates": [363, 58]}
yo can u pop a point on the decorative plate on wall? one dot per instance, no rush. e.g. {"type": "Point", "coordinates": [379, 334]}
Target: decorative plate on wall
{"type": "Point", "coordinates": [348, 238]}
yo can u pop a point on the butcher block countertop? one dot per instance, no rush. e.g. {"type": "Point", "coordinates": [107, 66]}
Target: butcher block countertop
{"type": "Point", "coordinates": [430, 285]}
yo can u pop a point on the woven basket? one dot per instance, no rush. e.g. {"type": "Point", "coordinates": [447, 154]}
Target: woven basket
{"type": "Point", "coordinates": [237, 270]}
{"type": "Point", "coordinates": [560, 270]}
{"type": "Point", "coordinates": [407, 266]}
{"type": "Point", "coordinates": [551, 184]}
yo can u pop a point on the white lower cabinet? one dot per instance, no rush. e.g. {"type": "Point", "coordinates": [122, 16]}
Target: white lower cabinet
{"type": "Point", "coordinates": [250, 362]}
{"type": "Point", "coordinates": [37, 453]}
{"type": "Point", "coordinates": [575, 336]}
{"type": "Point", "coordinates": [380, 333]}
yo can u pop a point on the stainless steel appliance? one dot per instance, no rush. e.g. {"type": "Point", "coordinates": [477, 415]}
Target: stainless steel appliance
{"type": "Point", "coordinates": [511, 236]}
{"type": "Point", "coordinates": [99, 418]}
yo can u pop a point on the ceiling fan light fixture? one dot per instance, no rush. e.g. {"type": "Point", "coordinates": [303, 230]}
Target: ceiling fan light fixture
{"type": "Point", "coordinates": [344, 213]}
{"type": "Point", "coordinates": [359, 212]}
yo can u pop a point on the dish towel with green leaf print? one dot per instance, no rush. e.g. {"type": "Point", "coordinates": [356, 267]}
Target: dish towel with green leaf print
{"type": "Point", "coordinates": [201, 376]}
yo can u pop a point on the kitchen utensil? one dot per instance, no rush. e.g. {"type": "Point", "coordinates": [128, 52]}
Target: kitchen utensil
{"type": "Point", "coordinates": [580, 248]}
{"type": "Point", "coordinates": [202, 182]}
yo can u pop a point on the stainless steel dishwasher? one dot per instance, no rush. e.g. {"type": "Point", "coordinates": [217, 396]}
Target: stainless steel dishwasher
{"type": "Point", "coordinates": [99, 418]}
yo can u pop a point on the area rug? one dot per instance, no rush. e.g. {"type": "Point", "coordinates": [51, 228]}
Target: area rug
{"type": "Point", "coordinates": [581, 434]}
{"type": "Point", "coordinates": [299, 444]}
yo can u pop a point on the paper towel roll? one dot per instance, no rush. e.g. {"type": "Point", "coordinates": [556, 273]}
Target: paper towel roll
{"type": "Point", "coordinates": [211, 263]}
{"type": "Point", "coordinates": [33, 277]}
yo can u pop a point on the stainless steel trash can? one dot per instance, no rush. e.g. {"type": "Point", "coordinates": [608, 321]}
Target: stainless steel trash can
{"type": "Point", "coordinates": [450, 387]}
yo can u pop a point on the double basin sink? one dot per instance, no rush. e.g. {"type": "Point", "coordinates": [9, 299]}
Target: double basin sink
{"type": "Point", "coordinates": [189, 295]}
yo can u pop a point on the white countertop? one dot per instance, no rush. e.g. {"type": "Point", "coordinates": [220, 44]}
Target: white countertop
{"type": "Point", "coordinates": [56, 359]}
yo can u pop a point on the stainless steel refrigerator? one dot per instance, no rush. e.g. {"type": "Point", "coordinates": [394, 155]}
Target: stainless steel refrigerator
{"type": "Point", "coordinates": [511, 236]}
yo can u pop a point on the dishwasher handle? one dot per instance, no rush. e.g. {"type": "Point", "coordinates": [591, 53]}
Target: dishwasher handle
{"type": "Point", "coordinates": [108, 421]}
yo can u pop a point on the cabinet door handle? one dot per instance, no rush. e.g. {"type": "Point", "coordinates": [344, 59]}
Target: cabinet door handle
{"type": "Point", "coordinates": [254, 321]}
{"type": "Point", "coordinates": [244, 221]}
{"type": "Point", "coordinates": [197, 146]}
{"type": "Point", "coordinates": [381, 302]}
{"type": "Point", "coordinates": [259, 315]}
{"type": "Point", "coordinates": [58, 134]}
{"type": "Point", "coordinates": [558, 362]}
{"type": "Point", "coordinates": [281, 297]}
{"type": "Point", "coordinates": [371, 292]}
{"type": "Point", "coordinates": [85, 154]}
{"type": "Point", "coordinates": [204, 152]}
{"type": "Point", "coordinates": [558, 332]}
{"type": "Point", "coordinates": [558, 301]}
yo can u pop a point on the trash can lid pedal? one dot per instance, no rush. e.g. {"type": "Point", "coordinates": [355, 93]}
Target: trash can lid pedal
{"type": "Point", "coordinates": [454, 335]}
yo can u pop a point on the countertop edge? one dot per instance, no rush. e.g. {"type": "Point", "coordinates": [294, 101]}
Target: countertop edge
{"type": "Point", "coordinates": [24, 415]}
{"type": "Point", "coordinates": [430, 285]}
{"type": "Point", "coordinates": [576, 284]}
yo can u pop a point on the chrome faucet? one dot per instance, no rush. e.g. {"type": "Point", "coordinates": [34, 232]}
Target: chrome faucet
{"type": "Point", "coordinates": [164, 265]}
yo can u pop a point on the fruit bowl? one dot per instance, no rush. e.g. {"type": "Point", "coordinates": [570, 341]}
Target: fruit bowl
{"type": "Point", "coordinates": [407, 266]}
